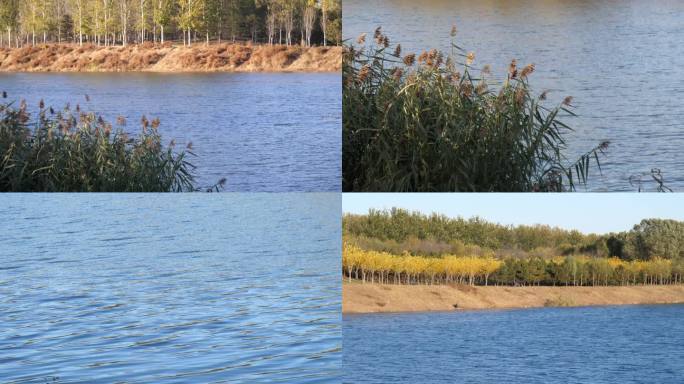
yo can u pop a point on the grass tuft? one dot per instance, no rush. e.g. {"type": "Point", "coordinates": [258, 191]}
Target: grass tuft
{"type": "Point", "coordinates": [559, 301]}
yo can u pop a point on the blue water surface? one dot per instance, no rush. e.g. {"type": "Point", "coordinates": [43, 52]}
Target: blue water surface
{"type": "Point", "coordinates": [161, 288]}
{"type": "Point", "coordinates": [626, 344]}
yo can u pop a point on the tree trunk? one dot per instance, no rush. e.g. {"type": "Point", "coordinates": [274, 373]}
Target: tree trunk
{"type": "Point", "coordinates": [80, 24]}
{"type": "Point", "coordinates": [142, 21]}
{"type": "Point", "coordinates": [324, 22]}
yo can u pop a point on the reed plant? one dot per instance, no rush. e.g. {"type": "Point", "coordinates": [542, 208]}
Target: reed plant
{"type": "Point", "coordinates": [75, 151]}
{"type": "Point", "coordinates": [434, 122]}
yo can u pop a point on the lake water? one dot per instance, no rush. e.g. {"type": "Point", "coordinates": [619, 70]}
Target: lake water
{"type": "Point", "coordinates": [154, 288]}
{"type": "Point", "coordinates": [270, 132]}
{"type": "Point", "coordinates": [627, 344]}
{"type": "Point", "coordinates": [621, 60]}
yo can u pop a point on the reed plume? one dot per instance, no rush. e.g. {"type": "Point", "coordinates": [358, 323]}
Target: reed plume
{"type": "Point", "coordinates": [423, 124]}
{"type": "Point", "coordinates": [66, 154]}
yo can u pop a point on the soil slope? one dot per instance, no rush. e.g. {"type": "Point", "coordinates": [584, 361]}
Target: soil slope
{"type": "Point", "coordinates": [369, 298]}
{"type": "Point", "coordinates": [170, 58]}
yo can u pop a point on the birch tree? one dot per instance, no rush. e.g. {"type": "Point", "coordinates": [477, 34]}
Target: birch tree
{"type": "Point", "coordinates": [78, 6]}
{"type": "Point", "coordinates": [142, 22]}
{"type": "Point", "coordinates": [29, 19]}
{"type": "Point", "coordinates": [124, 16]}
{"type": "Point", "coordinates": [59, 6]}
{"type": "Point", "coordinates": [163, 13]}
{"type": "Point", "coordinates": [325, 7]}
{"type": "Point", "coordinates": [44, 19]}
{"type": "Point", "coordinates": [212, 14]}
{"type": "Point", "coordinates": [188, 13]}
{"type": "Point", "coordinates": [309, 19]}
{"type": "Point", "coordinates": [106, 19]}
{"type": "Point", "coordinates": [289, 20]}
{"type": "Point", "coordinates": [9, 14]}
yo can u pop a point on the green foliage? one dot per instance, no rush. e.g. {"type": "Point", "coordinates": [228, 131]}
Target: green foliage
{"type": "Point", "coordinates": [648, 239]}
{"type": "Point", "coordinates": [334, 25]}
{"type": "Point", "coordinates": [398, 231]}
{"type": "Point", "coordinates": [73, 151]}
{"type": "Point", "coordinates": [651, 253]}
{"type": "Point", "coordinates": [120, 21]}
{"type": "Point", "coordinates": [435, 124]}
{"type": "Point", "coordinates": [400, 225]}
{"type": "Point", "coordinates": [586, 271]}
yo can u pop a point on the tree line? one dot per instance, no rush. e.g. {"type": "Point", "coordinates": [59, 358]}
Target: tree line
{"type": "Point", "coordinates": [398, 231]}
{"type": "Point", "coordinates": [121, 22]}
{"type": "Point", "coordinates": [386, 268]}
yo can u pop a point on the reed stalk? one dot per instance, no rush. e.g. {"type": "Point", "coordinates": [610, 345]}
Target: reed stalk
{"type": "Point", "coordinates": [75, 151]}
{"type": "Point", "coordinates": [434, 122]}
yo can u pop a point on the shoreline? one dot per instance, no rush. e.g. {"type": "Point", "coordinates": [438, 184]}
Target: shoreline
{"type": "Point", "coordinates": [168, 58]}
{"type": "Point", "coordinates": [358, 298]}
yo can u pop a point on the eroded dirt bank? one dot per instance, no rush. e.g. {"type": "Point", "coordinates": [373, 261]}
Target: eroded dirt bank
{"type": "Point", "coordinates": [170, 58]}
{"type": "Point", "coordinates": [370, 298]}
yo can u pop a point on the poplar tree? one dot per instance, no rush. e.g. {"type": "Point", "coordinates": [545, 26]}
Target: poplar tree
{"type": "Point", "coordinates": [9, 14]}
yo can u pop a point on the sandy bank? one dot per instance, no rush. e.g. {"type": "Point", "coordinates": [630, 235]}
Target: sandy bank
{"type": "Point", "coordinates": [370, 298]}
{"type": "Point", "coordinates": [168, 58]}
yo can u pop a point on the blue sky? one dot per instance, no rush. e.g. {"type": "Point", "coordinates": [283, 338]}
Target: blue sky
{"type": "Point", "coordinates": [587, 212]}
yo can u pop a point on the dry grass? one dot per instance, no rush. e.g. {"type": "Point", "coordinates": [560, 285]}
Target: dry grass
{"type": "Point", "coordinates": [170, 58]}
{"type": "Point", "coordinates": [363, 298]}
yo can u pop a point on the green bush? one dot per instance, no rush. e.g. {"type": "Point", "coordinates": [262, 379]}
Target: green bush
{"type": "Point", "coordinates": [434, 123]}
{"type": "Point", "coordinates": [74, 151]}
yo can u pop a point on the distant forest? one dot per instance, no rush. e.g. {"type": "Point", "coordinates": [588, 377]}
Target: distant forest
{"type": "Point", "coordinates": [401, 247]}
{"type": "Point", "coordinates": [398, 231]}
{"type": "Point", "coordinates": [122, 22]}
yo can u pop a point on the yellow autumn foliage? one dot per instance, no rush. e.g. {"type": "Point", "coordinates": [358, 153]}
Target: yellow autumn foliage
{"type": "Point", "coordinates": [383, 267]}
{"type": "Point", "coordinates": [380, 266]}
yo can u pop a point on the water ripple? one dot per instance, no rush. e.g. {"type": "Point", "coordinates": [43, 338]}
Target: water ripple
{"type": "Point", "coordinates": [250, 295]}
{"type": "Point", "coordinates": [602, 345]}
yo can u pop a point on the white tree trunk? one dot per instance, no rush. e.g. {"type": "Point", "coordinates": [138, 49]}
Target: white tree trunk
{"type": "Point", "coordinates": [324, 22]}
{"type": "Point", "coordinates": [80, 23]}
{"type": "Point", "coordinates": [124, 35]}
{"type": "Point", "coordinates": [142, 21]}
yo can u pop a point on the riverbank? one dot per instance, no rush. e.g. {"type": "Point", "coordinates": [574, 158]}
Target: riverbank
{"type": "Point", "coordinates": [170, 58]}
{"type": "Point", "coordinates": [373, 298]}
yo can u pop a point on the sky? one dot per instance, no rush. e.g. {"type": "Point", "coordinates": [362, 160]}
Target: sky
{"type": "Point", "coordinates": [586, 212]}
